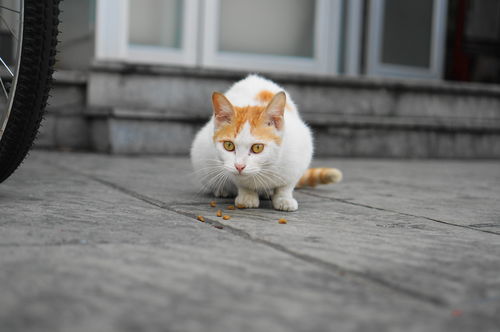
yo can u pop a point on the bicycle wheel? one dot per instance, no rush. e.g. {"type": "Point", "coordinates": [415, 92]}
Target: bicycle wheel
{"type": "Point", "coordinates": [28, 38]}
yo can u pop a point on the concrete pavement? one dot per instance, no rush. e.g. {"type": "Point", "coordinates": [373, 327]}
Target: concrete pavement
{"type": "Point", "coordinates": [105, 243]}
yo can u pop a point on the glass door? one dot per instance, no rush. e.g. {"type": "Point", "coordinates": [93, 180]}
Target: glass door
{"type": "Point", "coordinates": [406, 38]}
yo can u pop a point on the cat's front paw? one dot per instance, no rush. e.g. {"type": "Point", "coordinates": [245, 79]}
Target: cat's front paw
{"type": "Point", "coordinates": [285, 203]}
{"type": "Point", "coordinates": [247, 200]}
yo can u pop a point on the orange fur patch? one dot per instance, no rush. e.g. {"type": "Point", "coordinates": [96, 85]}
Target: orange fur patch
{"type": "Point", "coordinates": [314, 176]}
{"type": "Point", "coordinates": [265, 97]}
{"type": "Point", "coordinates": [258, 126]}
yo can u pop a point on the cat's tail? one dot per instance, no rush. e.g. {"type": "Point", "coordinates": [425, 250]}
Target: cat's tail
{"type": "Point", "coordinates": [314, 176]}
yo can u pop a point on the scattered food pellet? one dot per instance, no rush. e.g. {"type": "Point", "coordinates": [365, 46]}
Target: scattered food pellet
{"type": "Point", "coordinates": [226, 217]}
{"type": "Point", "coordinates": [219, 213]}
{"type": "Point", "coordinates": [200, 218]}
{"type": "Point", "coordinates": [219, 226]}
{"type": "Point", "coordinates": [282, 221]}
{"type": "Point", "coordinates": [240, 206]}
{"type": "Point", "coordinates": [456, 313]}
{"type": "Point", "coordinates": [230, 207]}
{"type": "Point", "coordinates": [213, 204]}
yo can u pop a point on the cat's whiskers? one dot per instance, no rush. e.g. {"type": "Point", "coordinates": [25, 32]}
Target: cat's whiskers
{"type": "Point", "coordinates": [209, 164]}
{"type": "Point", "coordinates": [205, 188]}
{"type": "Point", "coordinates": [256, 186]}
{"type": "Point", "coordinates": [210, 173]}
{"type": "Point", "coordinates": [273, 167]}
{"type": "Point", "coordinates": [263, 186]}
{"type": "Point", "coordinates": [201, 175]}
{"type": "Point", "coordinates": [221, 182]}
{"type": "Point", "coordinates": [213, 174]}
{"type": "Point", "coordinates": [212, 184]}
{"type": "Point", "coordinates": [266, 187]}
{"type": "Point", "coordinates": [265, 179]}
{"type": "Point", "coordinates": [206, 172]}
{"type": "Point", "coordinates": [211, 159]}
{"type": "Point", "coordinates": [273, 173]}
{"type": "Point", "coordinates": [273, 176]}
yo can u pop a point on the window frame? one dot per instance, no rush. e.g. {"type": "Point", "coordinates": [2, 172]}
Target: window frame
{"type": "Point", "coordinates": [374, 65]}
{"type": "Point", "coordinates": [112, 36]}
{"type": "Point", "coordinates": [326, 45]}
{"type": "Point", "coordinates": [353, 37]}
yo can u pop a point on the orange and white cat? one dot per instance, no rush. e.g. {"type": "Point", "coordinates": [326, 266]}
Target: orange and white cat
{"type": "Point", "coordinates": [256, 143]}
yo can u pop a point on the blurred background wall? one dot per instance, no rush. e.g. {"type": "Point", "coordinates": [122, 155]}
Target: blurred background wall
{"type": "Point", "coordinates": [379, 78]}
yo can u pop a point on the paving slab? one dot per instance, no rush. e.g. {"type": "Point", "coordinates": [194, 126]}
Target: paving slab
{"type": "Point", "coordinates": [464, 193]}
{"type": "Point", "coordinates": [450, 266]}
{"type": "Point", "coordinates": [93, 242]}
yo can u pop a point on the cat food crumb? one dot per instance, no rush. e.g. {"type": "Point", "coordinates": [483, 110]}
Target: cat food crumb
{"type": "Point", "coordinates": [200, 218]}
{"type": "Point", "coordinates": [456, 313]}
{"type": "Point", "coordinates": [226, 217]}
{"type": "Point", "coordinates": [282, 221]}
{"type": "Point", "coordinates": [240, 206]}
{"type": "Point", "coordinates": [230, 207]}
{"type": "Point", "coordinates": [219, 213]}
{"type": "Point", "coordinates": [213, 204]}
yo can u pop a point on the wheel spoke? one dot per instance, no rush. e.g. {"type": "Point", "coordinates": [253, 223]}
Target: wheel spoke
{"type": "Point", "coordinates": [4, 89]}
{"type": "Point", "coordinates": [12, 10]}
{"type": "Point", "coordinates": [5, 65]}
{"type": "Point", "coordinates": [8, 27]}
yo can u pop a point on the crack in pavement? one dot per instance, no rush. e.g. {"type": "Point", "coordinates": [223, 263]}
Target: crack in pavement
{"type": "Point", "coordinates": [354, 276]}
{"type": "Point", "coordinates": [398, 212]}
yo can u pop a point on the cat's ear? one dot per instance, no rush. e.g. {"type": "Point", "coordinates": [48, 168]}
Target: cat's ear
{"type": "Point", "coordinates": [223, 110]}
{"type": "Point", "coordinates": [275, 109]}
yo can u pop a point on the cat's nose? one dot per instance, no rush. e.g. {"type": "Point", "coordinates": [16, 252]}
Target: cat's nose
{"type": "Point", "coordinates": [240, 167]}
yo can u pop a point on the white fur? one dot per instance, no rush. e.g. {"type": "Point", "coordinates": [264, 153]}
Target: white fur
{"type": "Point", "coordinates": [275, 171]}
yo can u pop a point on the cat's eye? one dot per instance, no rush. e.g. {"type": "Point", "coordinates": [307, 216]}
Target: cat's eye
{"type": "Point", "coordinates": [257, 148]}
{"type": "Point", "coordinates": [228, 145]}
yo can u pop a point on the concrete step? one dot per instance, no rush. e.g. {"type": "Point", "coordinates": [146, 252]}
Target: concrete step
{"type": "Point", "coordinates": [136, 110]}
{"type": "Point", "coordinates": [65, 125]}
{"type": "Point", "coordinates": [125, 132]}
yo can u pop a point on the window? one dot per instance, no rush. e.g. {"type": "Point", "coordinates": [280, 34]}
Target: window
{"type": "Point", "coordinates": [147, 31]}
{"type": "Point", "coordinates": [406, 38]}
{"type": "Point", "coordinates": [290, 35]}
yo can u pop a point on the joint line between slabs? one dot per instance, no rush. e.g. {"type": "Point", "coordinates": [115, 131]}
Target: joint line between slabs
{"type": "Point", "coordinates": [337, 269]}
{"type": "Point", "coordinates": [398, 212]}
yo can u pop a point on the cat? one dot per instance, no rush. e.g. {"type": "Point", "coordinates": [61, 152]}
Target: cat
{"type": "Point", "coordinates": [256, 143]}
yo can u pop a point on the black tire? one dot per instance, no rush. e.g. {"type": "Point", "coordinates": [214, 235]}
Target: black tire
{"type": "Point", "coordinates": [40, 29]}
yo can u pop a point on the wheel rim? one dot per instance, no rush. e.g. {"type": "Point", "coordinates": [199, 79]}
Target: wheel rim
{"type": "Point", "coordinates": [11, 34]}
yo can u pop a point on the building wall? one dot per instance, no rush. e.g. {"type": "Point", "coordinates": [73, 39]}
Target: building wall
{"type": "Point", "coordinates": [128, 105]}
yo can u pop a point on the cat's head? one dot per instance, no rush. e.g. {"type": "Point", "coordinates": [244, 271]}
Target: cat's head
{"type": "Point", "coordinates": [248, 139]}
